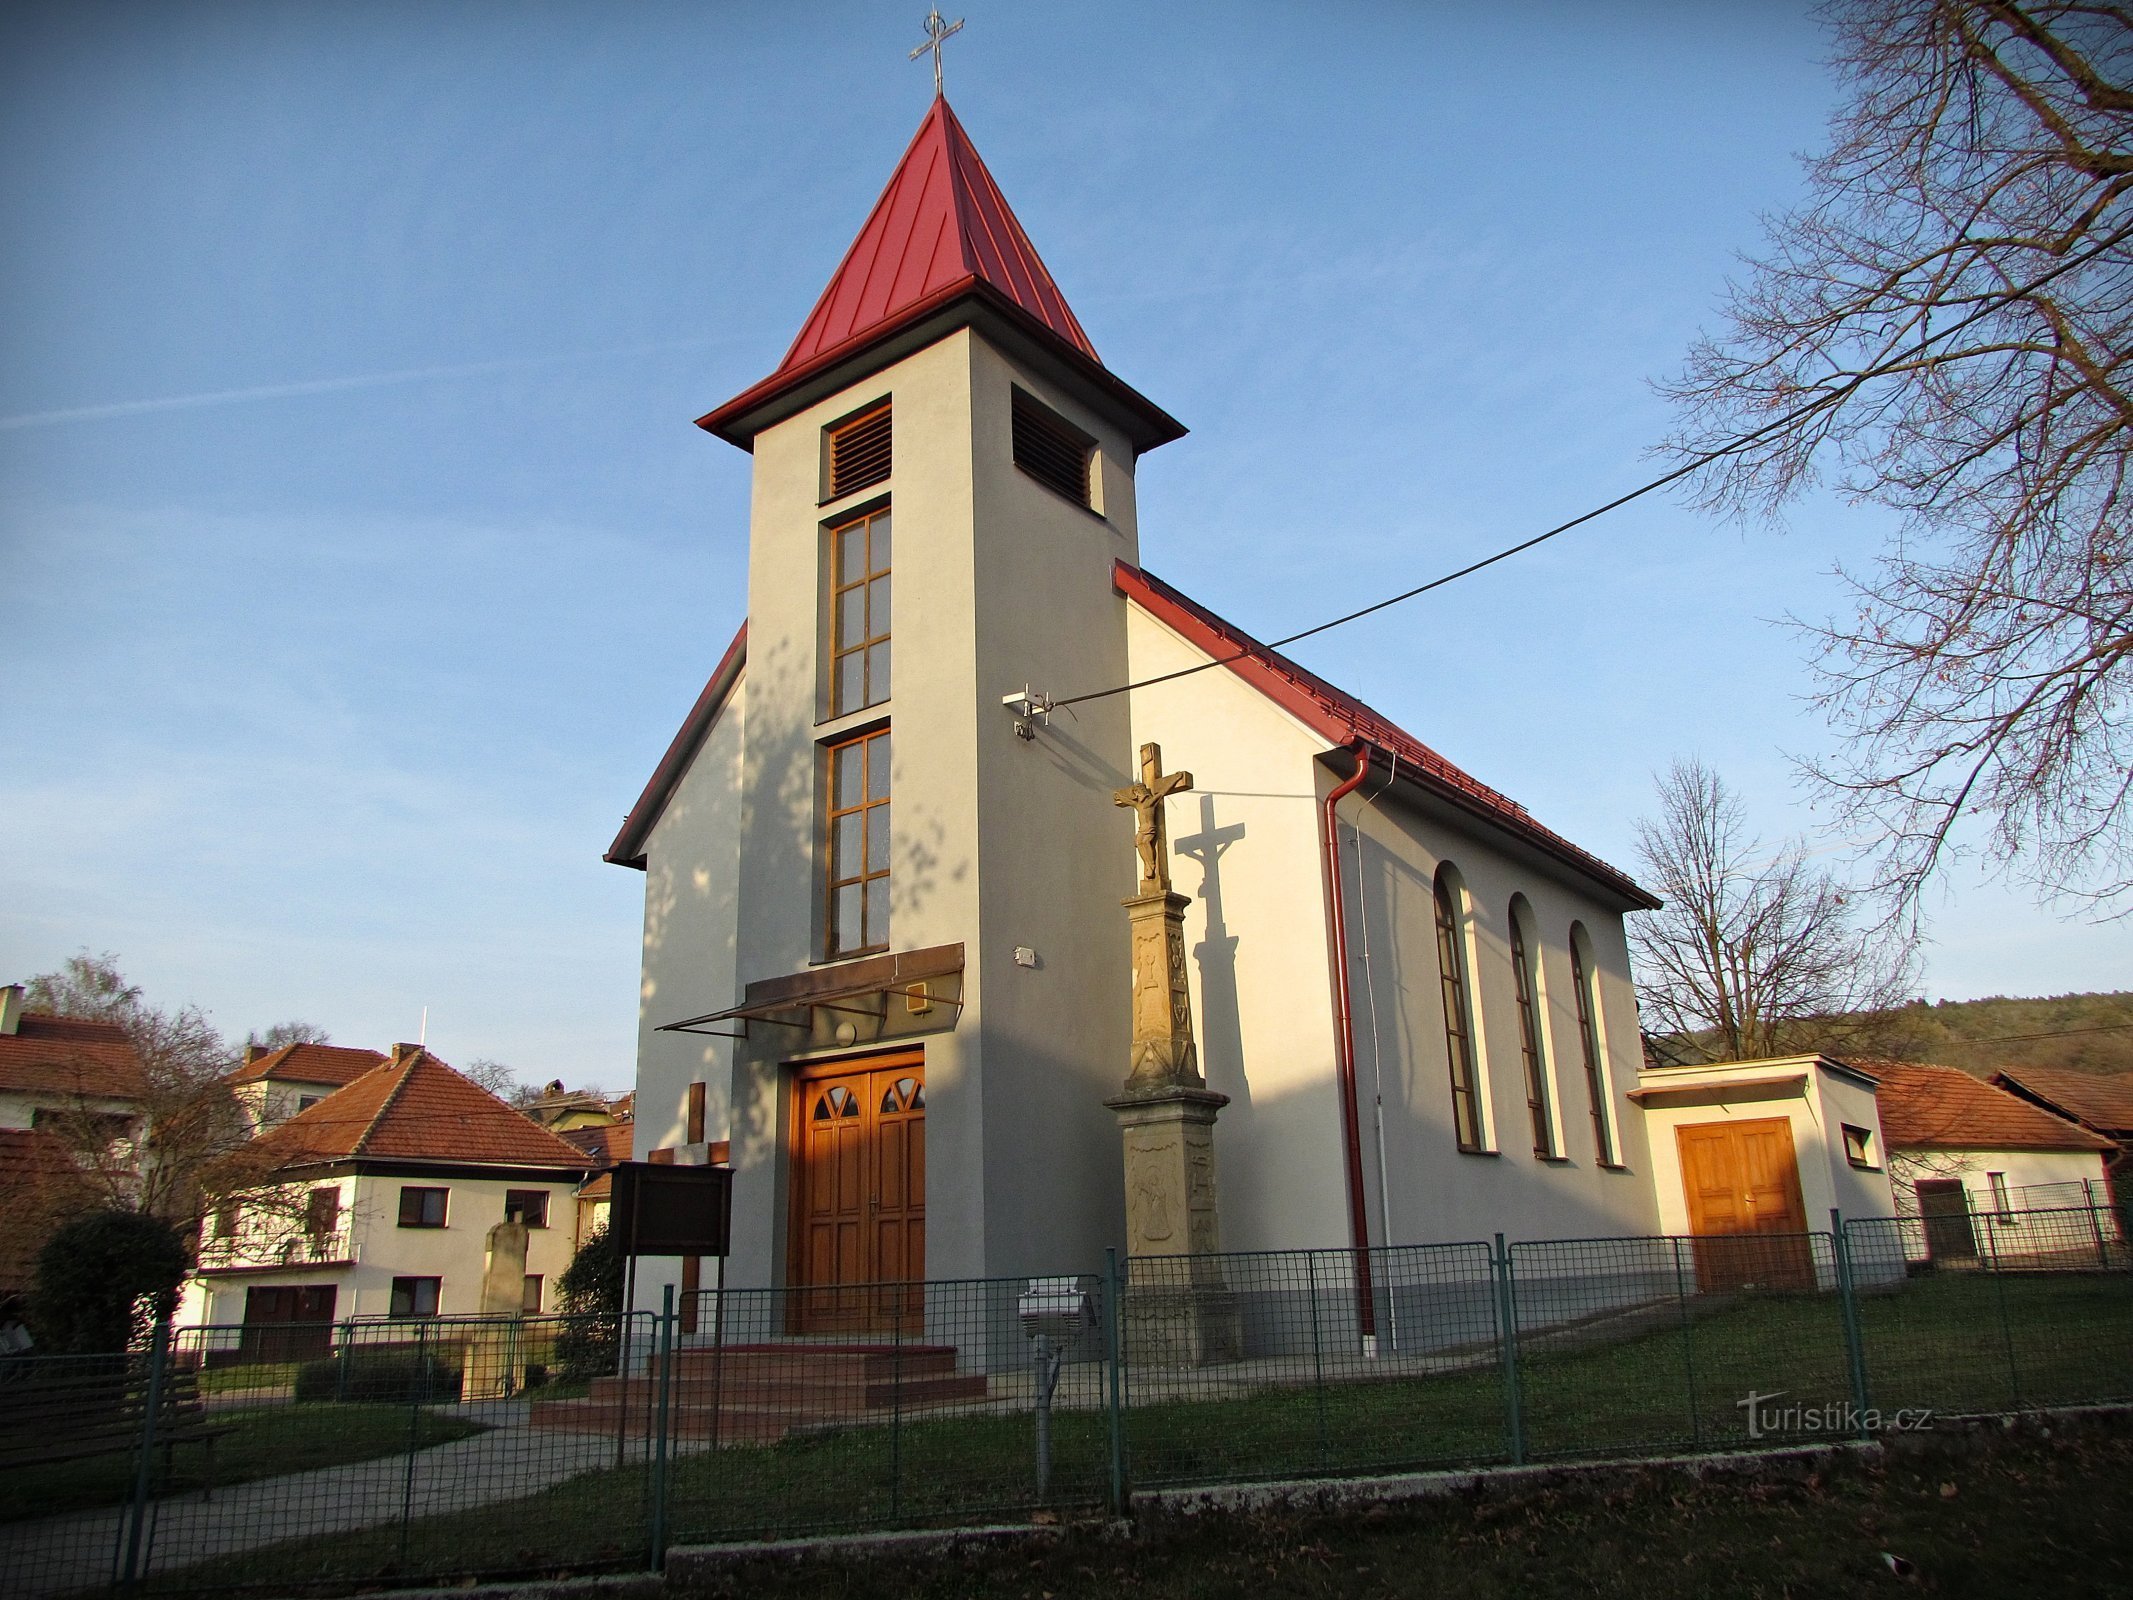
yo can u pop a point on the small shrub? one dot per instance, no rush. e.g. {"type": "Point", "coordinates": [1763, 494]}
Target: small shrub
{"type": "Point", "coordinates": [103, 1279]}
{"type": "Point", "coordinates": [591, 1302]}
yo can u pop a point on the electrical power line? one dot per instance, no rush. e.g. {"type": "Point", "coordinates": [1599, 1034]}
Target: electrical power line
{"type": "Point", "coordinates": [1735, 446]}
{"type": "Point", "coordinates": [2060, 1033]}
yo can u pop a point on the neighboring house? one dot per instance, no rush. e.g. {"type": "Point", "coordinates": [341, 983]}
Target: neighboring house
{"type": "Point", "coordinates": [40, 1186]}
{"type": "Point", "coordinates": [388, 1189]}
{"type": "Point", "coordinates": [2101, 1103]}
{"type": "Point", "coordinates": [66, 1069]}
{"type": "Point", "coordinates": [603, 1146]}
{"type": "Point", "coordinates": [1961, 1154]}
{"type": "Point", "coordinates": [564, 1110]}
{"type": "Point", "coordinates": [1768, 1146]}
{"type": "Point", "coordinates": [274, 1085]}
{"type": "Point", "coordinates": [884, 920]}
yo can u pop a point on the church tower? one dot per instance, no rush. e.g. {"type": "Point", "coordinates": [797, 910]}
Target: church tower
{"type": "Point", "coordinates": [928, 961]}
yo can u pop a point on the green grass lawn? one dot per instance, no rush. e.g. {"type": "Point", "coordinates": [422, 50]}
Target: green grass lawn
{"type": "Point", "coordinates": [1934, 1342]}
{"type": "Point", "coordinates": [261, 1443]}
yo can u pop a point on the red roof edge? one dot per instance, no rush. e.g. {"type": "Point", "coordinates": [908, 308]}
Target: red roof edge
{"type": "Point", "coordinates": [1341, 719]}
{"type": "Point", "coordinates": [628, 848]}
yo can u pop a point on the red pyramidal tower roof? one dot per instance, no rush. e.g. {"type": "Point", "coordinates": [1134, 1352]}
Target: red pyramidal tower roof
{"type": "Point", "coordinates": [940, 232]}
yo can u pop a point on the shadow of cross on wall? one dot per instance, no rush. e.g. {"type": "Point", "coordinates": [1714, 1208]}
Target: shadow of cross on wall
{"type": "Point", "coordinates": [1221, 1019]}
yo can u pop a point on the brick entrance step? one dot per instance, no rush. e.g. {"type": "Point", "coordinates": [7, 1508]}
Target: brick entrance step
{"type": "Point", "coordinates": [758, 1393]}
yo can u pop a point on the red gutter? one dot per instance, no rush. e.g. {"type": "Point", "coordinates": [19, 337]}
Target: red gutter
{"type": "Point", "coordinates": [1351, 1122]}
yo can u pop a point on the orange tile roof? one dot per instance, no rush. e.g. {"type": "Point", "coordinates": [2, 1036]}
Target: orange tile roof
{"type": "Point", "coordinates": [607, 1144]}
{"type": "Point", "coordinates": [2102, 1101]}
{"type": "Point", "coordinates": [70, 1056]}
{"type": "Point", "coordinates": [1940, 1108]}
{"type": "Point", "coordinates": [415, 1108]}
{"type": "Point", "coordinates": [310, 1063]}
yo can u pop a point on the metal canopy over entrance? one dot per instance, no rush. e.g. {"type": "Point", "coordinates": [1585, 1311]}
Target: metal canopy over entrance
{"type": "Point", "coordinates": [886, 994]}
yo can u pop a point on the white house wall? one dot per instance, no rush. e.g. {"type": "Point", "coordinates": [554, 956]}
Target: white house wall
{"type": "Point", "coordinates": [2023, 1169]}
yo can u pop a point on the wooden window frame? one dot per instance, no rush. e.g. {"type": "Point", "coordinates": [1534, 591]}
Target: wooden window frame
{"type": "Point", "coordinates": [322, 1211]}
{"type": "Point", "coordinates": [1589, 1041]}
{"type": "Point", "coordinates": [1467, 1121]}
{"type": "Point", "coordinates": [518, 1197]}
{"type": "Point", "coordinates": [872, 585]}
{"type": "Point", "coordinates": [1863, 1156]}
{"type": "Point", "coordinates": [835, 875]}
{"type": "Point", "coordinates": [858, 451]}
{"type": "Point", "coordinates": [1042, 440]}
{"type": "Point", "coordinates": [414, 1294]}
{"type": "Point", "coordinates": [2002, 1202]}
{"type": "Point", "coordinates": [420, 1207]}
{"type": "Point", "coordinates": [1529, 1042]}
{"type": "Point", "coordinates": [534, 1289]}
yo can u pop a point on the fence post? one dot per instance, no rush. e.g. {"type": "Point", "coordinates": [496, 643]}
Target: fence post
{"type": "Point", "coordinates": [1688, 1345]}
{"type": "Point", "coordinates": [1318, 1360]}
{"type": "Point", "coordinates": [1991, 1269]}
{"type": "Point", "coordinates": [2103, 1254]}
{"type": "Point", "coordinates": [1514, 1420]}
{"type": "Point", "coordinates": [1854, 1343]}
{"type": "Point", "coordinates": [896, 1409]}
{"type": "Point", "coordinates": [137, 1521]}
{"type": "Point", "coordinates": [1117, 1352]}
{"type": "Point", "coordinates": [417, 1391]}
{"type": "Point", "coordinates": [659, 1448]}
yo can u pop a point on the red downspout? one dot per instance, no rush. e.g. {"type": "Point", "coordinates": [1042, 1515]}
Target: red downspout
{"type": "Point", "coordinates": [1351, 1123]}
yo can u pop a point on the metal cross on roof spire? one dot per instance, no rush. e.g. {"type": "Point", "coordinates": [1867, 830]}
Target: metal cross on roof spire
{"type": "Point", "coordinates": [937, 33]}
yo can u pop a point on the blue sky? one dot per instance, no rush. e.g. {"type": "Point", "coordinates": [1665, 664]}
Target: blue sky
{"type": "Point", "coordinates": [360, 556]}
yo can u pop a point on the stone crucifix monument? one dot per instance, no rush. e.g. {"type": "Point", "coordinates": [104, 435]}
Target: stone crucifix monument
{"type": "Point", "coordinates": [1179, 1309]}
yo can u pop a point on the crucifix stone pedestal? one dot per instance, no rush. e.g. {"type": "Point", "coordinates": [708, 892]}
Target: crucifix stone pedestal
{"type": "Point", "coordinates": [1178, 1311]}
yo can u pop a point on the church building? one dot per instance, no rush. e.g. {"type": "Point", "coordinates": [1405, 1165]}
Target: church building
{"type": "Point", "coordinates": [885, 960]}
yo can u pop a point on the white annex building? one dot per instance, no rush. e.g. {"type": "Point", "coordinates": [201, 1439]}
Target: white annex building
{"type": "Point", "coordinates": [885, 960]}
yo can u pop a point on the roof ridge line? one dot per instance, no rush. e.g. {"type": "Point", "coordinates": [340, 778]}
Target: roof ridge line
{"type": "Point", "coordinates": [385, 1105]}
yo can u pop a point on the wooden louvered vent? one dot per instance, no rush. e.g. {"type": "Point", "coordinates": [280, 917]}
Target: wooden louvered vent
{"type": "Point", "coordinates": [859, 452]}
{"type": "Point", "coordinates": [1051, 449]}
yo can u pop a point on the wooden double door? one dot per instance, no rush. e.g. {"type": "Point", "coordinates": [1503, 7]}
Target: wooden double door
{"type": "Point", "coordinates": [858, 1180]}
{"type": "Point", "coordinates": [288, 1322]}
{"type": "Point", "coordinates": [1742, 1184]}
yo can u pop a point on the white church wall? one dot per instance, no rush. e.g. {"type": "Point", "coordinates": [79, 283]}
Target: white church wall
{"type": "Point", "coordinates": [1434, 1190]}
{"type": "Point", "coordinates": [1057, 855]}
{"type": "Point", "coordinates": [1245, 848]}
{"type": "Point", "coordinates": [691, 871]}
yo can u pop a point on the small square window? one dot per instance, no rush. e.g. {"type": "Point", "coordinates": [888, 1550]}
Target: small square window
{"type": "Point", "coordinates": [531, 1301]}
{"type": "Point", "coordinates": [422, 1208]}
{"type": "Point", "coordinates": [529, 1206]}
{"type": "Point", "coordinates": [416, 1297]}
{"type": "Point", "coordinates": [857, 451]}
{"type": "Point", "coordinates": [1051, 449]}
{"type": "Point", "coordinates": [1859, 1146]}
{"type": "Point", "coordinates": [2002, 1202]}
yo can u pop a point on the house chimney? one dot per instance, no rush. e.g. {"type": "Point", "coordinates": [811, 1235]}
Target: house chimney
{"type": "Point", "coordinates": [255, 1052]}
{"type": "Point", "coordinates": [11, 1008]}
{"type": "Point", "coordinates": [402, 1051]}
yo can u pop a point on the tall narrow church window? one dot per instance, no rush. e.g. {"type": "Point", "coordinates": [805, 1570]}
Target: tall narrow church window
{"type": "Point", "coordinates": [1051, 449]}
{"type": "Point", "coordinates": [1603, 1133]}
{"type": "Point", "coordinates": [1529, 1036]}
{"type": "Point", "coordinates": [1458, 1020]}
{"type": "Point", "coordinates": [858, 876]}
{"type": "Point", "coordinates": [859, 613]}
{"type": "Point", "coordinates": [859, 452]}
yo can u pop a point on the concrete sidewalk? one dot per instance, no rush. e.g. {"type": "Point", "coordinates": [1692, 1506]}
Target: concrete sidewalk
{"type": "Point", "coordinates": [56, 1555]}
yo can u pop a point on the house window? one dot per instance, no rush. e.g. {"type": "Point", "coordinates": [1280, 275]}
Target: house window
{"type": "Point", "coordinates": [1051, 449]}
{"type": "Point", "coordinates": [529, 1206]}
{"type": "Point", "coordinates": [1458, 1020]}
{"type": "Point", "coordinates": [858, 876]}
{"type": "Point", "coordinates": [859, 613]}
{"type": "Point", "coordinates": [2002, 1202]}
{"type": "Point", "coordinates": [226, 1219]}
{"type": "Point", "coordinates": [531, 1300]}
{"type": "Point", "coordinates": [1603, 1133]}
{"type": "Point", "coordinates": [322, 1212]}
{"type": "Point", "coordinates": [304, 1102]}
{"type": "Point", "coordinates": [1529, 1038]}
{"type": "Point", "coordinates": [422, 1208]}
{"type": "Point", "coordinates": [1858, 1146]}
{"type": "Point", "coordinates": [415, 1297]}
{"type": "Point", "coordinates": [858, 450]}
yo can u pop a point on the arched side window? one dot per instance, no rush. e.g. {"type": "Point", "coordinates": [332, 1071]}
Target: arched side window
{"type": "Point", "coordinates": [1588, 1004]}
{"type": "Point", "coordinates": [1458, 1016]}
{"type": "Point", "coordinates": [1532, 1038]}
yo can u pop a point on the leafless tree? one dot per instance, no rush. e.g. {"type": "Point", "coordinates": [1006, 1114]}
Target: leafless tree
{"type": "Point", "coordinates": [1945, 329]}
{"type": "Point", "coordinates": [291, 1032]}
{"type": "Point", "coordinates": [1755, 952]}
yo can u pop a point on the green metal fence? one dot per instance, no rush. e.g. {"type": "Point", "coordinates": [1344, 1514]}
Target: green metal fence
{"type": "Point", "coordinates": [287, 1457]}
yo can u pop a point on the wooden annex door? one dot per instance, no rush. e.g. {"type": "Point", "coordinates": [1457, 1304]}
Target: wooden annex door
{"type": "Point", "coordinates": [287, 1322]}
{"type": "Point", "coordinates": [858, 1236]}
{"type": "Point", "coordinates": [1944, 1206]}
{"type": "Point", "coordinates": [1742, 1184]}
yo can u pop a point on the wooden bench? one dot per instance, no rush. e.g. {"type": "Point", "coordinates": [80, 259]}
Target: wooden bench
{"type": "Point", "coordinates": [57, 1409]}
